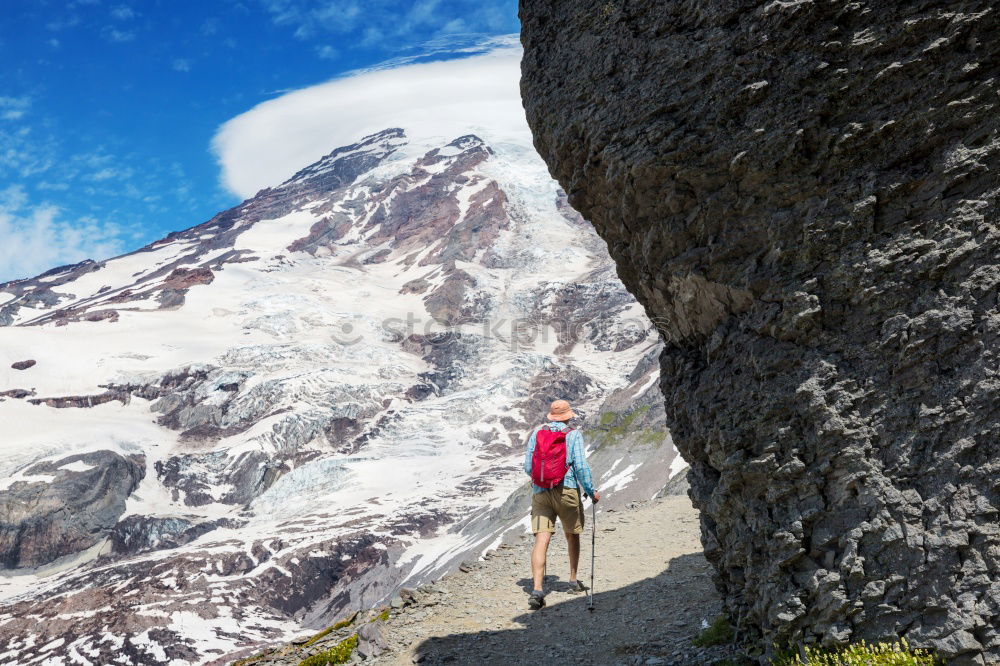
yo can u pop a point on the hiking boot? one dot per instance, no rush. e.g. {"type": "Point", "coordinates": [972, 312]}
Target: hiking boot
{"type": "Point", "coordinates": [577, 587]}
{"type": "Point", "coordinates": [536, 600]}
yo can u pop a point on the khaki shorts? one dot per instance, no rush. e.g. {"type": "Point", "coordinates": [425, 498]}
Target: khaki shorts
{"type": "Point", "coordinates": [559, 501]}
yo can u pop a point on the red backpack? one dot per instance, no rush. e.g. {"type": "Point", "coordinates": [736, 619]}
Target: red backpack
{"type": "Point", "coordinates": [548, 460]}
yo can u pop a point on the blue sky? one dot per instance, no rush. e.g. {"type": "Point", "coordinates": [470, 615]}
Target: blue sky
{"type": "Point", "coordinates": [108, 109]}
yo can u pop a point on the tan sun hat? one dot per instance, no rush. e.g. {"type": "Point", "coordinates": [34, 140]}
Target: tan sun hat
{"type": "Point", "coordinates": [560, 411]}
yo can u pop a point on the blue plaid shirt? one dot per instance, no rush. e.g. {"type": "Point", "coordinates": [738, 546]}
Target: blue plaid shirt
{"type": "Point", "coordinates": [576, 459]}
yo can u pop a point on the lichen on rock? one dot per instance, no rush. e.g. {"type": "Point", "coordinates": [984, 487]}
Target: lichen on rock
{"type": "Point", "coordinates": [804, 198]}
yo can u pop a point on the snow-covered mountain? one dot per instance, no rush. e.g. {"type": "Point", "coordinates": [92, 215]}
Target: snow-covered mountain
{"type": "Point", "coordinates": [252, 426]}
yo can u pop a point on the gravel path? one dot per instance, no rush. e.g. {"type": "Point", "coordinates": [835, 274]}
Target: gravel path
{"type": "Point", "coordinates": [653, 591]}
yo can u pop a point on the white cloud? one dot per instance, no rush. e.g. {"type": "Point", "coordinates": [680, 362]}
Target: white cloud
{"type": "Point", "coordinates": [56, 187]}
{"type": "Point", "coordinates": [450, 45]}
{"type": "Point", "coordinates": [210, 27]}
{"type": "Point", "coordinates": [13, 108]}
{"type": "Point", "coordinates": [24, 154]}
{"type": "Point", "coordinates": [123, 13]}
{"type": "Point", "coordinates": [431, 101]}
{"type": "Point", "coordinates": [327, 52]}
{"type": "Point", "coordinates": [112, 173]}
{"type": "Point", "coordinates": [424, 10]}
{"type": "Point", "coordinates": [115, 35]}
{"type": "Point", "coordinates": [310, 18]}
{"type": "Point", "coordinates": [455, 25]}
{"type": "Point", "coordinates": [63, 23]}
{"type": "Point", "coordinates": [104, 174]}
{"type": "Point", "coordinates": [182, 65]}
{"type": "Point", "coordinates": [36, 239]}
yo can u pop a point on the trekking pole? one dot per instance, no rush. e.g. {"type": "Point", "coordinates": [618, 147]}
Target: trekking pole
{"type": "Point", "coordinates": [593, 546]}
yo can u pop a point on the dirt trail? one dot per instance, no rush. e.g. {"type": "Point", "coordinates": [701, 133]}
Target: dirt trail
{"type": "Point", "coordinates": [653, 591]}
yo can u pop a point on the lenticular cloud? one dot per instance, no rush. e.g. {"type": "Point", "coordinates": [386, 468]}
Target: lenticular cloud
{"type": "Point", "coordinates": [431, 101]}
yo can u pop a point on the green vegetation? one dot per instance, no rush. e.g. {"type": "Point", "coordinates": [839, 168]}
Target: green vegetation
{"type": "Point", "coordinates": [652, 437]}
{"type": "Point", "coordinates": [346, 622]}
{"type": "Point", "coordinates": [861, 654]}
{"type": "Point", "coordinates": [384, 615]}
{"type": "Point", "coordinates": [249, 660]}
{"type": "Point", "coordinates": [338, 654]}
{"type": "Point", "coordinates": [319, 636]}
{"type": "Point", "coordinates": [616, 433]}
{"type": "Point", "coordinates": [720, 633]}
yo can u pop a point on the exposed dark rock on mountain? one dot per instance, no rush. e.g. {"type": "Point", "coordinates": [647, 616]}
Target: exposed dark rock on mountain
{"type": "Point", "coordinates": [17, 394]}
{"type": "Point", "coordinates": [803, 195]}
{"type": "Point", "coordinates": [136, 534]}
{"type": "Point", "coordinates": [57, 508]}
{"type": "Point", "coordinates": [331, 383]}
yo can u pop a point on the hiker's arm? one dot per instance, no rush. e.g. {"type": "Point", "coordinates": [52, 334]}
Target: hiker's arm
{"type": "Point", "coordinates": [581, 469]}
{"type": "Point", "coordinates": [527, 456]}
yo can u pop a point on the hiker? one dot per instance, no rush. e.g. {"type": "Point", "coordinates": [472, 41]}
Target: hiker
{"type": "Point", "coordinates": [557, 464]}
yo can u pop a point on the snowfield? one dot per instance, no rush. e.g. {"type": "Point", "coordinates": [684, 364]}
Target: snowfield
{"type": "Point", "coordinates": [305, 403]}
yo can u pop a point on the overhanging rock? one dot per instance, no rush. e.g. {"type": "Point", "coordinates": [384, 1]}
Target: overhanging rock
{"type": "Point", "coordinates": [803, 195]}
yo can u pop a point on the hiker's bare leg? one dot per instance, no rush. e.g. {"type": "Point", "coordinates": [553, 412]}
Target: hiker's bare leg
{"type": "Point", "coordinates": [573, 546]}
{"type": "Point", "coordinates": [538, 557]}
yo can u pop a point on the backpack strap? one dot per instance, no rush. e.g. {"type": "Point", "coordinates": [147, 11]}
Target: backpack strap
{"type": "Point", "coordinates": [545, 426]}
{"type": "Point", "coordinates": [569, 464]}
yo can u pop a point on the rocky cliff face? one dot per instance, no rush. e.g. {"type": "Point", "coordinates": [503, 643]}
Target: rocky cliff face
{"type": "Point", "coordinates": [803, 196]}
{"type": "Point", "coordinates": [59, 507]}
{"type": "Point", "coordinates": [255, 425]}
